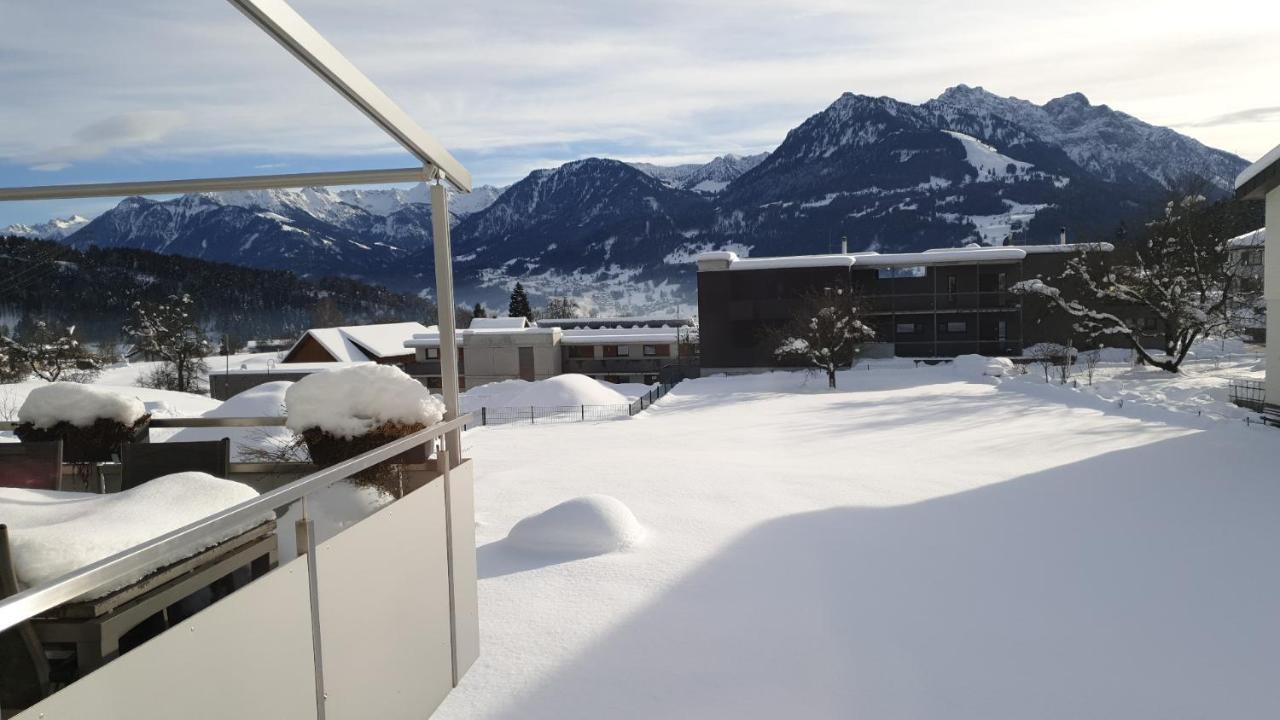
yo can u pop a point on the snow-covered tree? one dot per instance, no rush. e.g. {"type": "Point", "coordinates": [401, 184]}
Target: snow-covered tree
{"type": "Point", "coordinates": [1179, 274]}
{"type": "Point", "coordinates": [519, 305]}
{"type": "Point", "coordinates": [561, 307]}
{"type": "Point", "coordinates": [824, 334]}
{"type": "Point", "coordinates": [170, 332]}
{"type": "Point", "coordinates": [479, 311]}
{"type": "Point", "coordinates": [48, 353]}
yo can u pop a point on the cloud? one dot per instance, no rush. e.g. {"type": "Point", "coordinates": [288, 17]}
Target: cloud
{"type": "Point", "coordinates": [1251, 115]}
{"type": "Point", "coordinates": [510, 83]}
{"type": "Point", "coordinates": [111, 134]}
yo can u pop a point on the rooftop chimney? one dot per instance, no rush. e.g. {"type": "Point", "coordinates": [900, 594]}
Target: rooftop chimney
{"type": "Point", "coordinates": [844, 245]}
{"type": "Point", "coordinates": [1062, 235]}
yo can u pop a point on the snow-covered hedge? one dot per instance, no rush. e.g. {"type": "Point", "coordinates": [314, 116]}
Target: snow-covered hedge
{"type": "Point", "coordinates": [978, 365]}
{"type": "Point", "coordinates": [79, 405]}
{"type": "Point", "coordinates": [353, 401]}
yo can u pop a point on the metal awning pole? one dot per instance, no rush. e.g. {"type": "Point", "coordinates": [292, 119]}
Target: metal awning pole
{"type": "Point", "coordinates": [445, 306]}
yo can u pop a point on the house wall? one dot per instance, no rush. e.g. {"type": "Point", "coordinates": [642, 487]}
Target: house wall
{"type": "Point", "coordinates": [606, 362]}
{"type": "Point", "coordinates": [309, 350]}
{"type": "Point", "coordinates": [1271, 292]}
{"type": "Point", "coordinates": [496, 356]}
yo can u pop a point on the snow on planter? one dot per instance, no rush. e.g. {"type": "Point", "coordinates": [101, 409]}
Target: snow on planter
{"type": "Point", "coordinates": [54, 533]}
{"type": "Point", "coordinates": [91, 421]}
{"type": "Point", "coordinates": [588, 525]}
{"type": "Point", "coordinates": [353, 401]}
{"type": "Point", "coordinates": [344, 413]}
{"type": "Point", "coordinates": [980, 366]}
{"type": "Point", "coordinates": [78, 404]}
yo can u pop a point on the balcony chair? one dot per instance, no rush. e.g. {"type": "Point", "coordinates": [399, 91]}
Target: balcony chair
{"type": "Point", "coordinates": [142, 462]}
{"type": "Point", "coordinates": [31, 465]}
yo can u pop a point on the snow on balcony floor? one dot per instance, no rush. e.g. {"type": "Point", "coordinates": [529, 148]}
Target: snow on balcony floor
{"type": "Point", "coordinates": [913, 545]}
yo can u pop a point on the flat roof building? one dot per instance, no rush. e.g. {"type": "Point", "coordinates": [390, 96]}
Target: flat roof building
{"type": "Point", "coordinates": [1261, 181]}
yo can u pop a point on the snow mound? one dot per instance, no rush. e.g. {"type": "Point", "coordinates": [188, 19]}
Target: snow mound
{"type": "Point", "coordinates": [981, 366]}
{"type": "Point", "coordinates": [266, 400]}
{"type": "Point", "coordinates": [79, 404]}
{"type": "Point", "coordinates": [588, 525]}
{"type": "Point", "coordinates": [569, 389]}
{"type": "Point", "coordinates": [54, 533]}
{"type": "Point", "coordinates": [354, 400]}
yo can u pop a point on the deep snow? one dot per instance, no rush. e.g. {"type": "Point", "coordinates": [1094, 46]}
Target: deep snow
{"type": "Point", "coordinates": [913, 545]}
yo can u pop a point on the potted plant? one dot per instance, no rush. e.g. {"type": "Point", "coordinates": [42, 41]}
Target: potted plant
{"type": "Point", "coordinates": [91, 421]}
{"type": "Point", "coordinates": [340, 414]}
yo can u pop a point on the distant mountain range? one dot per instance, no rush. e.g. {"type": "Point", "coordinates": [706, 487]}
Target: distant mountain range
{"type": "Point", "coordinates": [966, 166]}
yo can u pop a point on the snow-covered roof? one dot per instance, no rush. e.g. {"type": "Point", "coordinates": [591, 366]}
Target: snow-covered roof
{"type": "Point", "coordinates": [431, 338]}
{"type": "Point", "coordinates": [287, 368]}
{"type": "Point", "coordinates": [1067, 247]}
{"type": "Point", "coordinates": [1254, 238]}
{"type": "Point", "coordinates": [596, 336]}
{"type": "Point", "coordinates": [725, 260]}
{"type": "Point", "coordinates": [361, 343]}
{"type": "Point", "coordinates": [501, 323]}
{"type": "Point", "coordinates": [1256, 169]}
{"type": "Point", "coordinates": [615, 322]}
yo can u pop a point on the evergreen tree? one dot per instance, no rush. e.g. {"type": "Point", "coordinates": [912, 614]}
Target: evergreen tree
{"type": "Point", "coordinates": [519, 306]}
{"type": "Point", "coordinates": [479, 312]}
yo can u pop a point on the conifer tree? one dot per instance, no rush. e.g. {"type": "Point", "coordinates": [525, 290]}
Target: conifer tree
{"type": "Point", "coordinates": [519, 305]}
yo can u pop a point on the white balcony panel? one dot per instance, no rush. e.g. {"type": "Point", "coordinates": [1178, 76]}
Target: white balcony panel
{"type": "Point", "coordinates": [465, 598]}
{"type": "Point", "coordinates": [248, 656]}
{"type": "Point", "coordinates": [384, 611]}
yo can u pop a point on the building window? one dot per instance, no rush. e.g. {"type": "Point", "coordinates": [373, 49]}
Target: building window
{"type": "Point", "coordinates": [954, 326]}
{"type": "Point", "coordinates": [624, 351]}
{"type": "Point", "coordinates": [1002, 282]}
{"type": "Point", "coordinates": [906, 328]}
{"type": "Point", "coordinates": [1148, 324]}
{"type": "Point", "coordinates": [582, 351]}
{"type": "Point", "coordinates": [433, 353]}
{"type": "Point", "coordinates": [653, 350]}
{"type": "Point", "coordinates": [434, 383]}
{"type": "Point", "coordinates": [953, 285]}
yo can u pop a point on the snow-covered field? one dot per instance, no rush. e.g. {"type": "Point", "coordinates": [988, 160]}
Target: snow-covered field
{"type": "Point", "coordinates": [917, 544]}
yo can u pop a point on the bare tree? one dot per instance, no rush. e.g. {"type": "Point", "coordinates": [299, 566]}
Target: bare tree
{"type": "Point", "coordinates": [169, 331]}
{"type": "Point", "coordinates": [49, 354]}
{"type": "Point", "coordinates": [560, 307]}
{"type": "Point", "coordinates": [1180, 275]}
{"type": "Point", "coordinates": [824, 334]}
{"type": "Point", "coordinates": [1091, 359]}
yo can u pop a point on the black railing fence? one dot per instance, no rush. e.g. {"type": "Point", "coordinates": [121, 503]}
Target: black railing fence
{"type": "Point", "coordinates": [533, 415]}
{"type": "Point", "coordinates": [1250, 394]}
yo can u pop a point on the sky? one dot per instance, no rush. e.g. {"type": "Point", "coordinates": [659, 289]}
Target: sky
{"type": "Point", "coordinates": [153, 89]}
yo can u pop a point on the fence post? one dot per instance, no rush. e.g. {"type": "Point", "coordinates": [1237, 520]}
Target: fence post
{"type": "Point", "coordinates": [583, 410]}
{"type": "Point", "coordinates": [531, 412]}
{"type": "Point", "coordinates": [483, 415]}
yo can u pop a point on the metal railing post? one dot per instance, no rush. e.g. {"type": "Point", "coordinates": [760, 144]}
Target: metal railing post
{"type": "Point", "coordinates": [445, 311]}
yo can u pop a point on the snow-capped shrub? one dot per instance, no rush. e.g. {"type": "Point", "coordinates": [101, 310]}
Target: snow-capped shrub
{"type": "Point", "coordinates": [344, 413]}
{"type": "Point", "coordinates": [353, 401]}
{"type": "Point", "coordinates": [78, 405]}
{"type": "Point", "coordinates": [92, 422]}
{"type": "Point", "coordinates": [980, 366]}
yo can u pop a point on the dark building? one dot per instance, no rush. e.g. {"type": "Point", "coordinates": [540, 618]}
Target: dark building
{"type": "Point", "coordinates": [936, 303]}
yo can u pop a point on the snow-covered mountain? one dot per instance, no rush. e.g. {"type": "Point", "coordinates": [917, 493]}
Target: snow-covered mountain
{"type": "Point", "coordinates": [1107, 143]}
{"type": "Point", "coordinates": [706, 178]}
{"type": "Point", "coordinates": [55, 229]}
{"type": "Point", "coordinates": [965, 166]}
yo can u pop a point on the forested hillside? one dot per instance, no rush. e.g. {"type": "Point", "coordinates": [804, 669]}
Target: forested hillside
{"type": "Point", "coordinates": [94, 288]}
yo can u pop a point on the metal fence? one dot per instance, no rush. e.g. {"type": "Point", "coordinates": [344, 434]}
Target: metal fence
{"type": "Point", "coordinates": [533, 415]}
{"type": "Point", "coordinates": [1250, 394]}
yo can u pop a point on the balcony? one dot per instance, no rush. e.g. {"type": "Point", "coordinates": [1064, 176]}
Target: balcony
{"type": "Point", "coordinates": [359, 605]}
